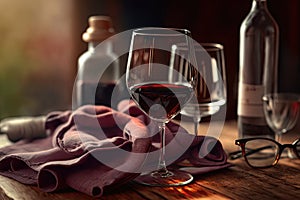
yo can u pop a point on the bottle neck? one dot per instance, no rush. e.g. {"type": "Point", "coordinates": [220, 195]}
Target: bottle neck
{"type": "Point", "coordinates": [259, 4]}
{"type": "Point", "coordinates": [106, 46]}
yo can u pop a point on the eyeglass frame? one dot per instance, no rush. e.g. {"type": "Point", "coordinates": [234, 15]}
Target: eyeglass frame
{"type": "Point", "coordinates": [242, 142]}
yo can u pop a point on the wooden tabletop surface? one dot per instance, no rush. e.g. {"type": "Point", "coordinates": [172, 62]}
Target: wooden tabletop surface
{"type": "Point", "coordinates": [236, 182]}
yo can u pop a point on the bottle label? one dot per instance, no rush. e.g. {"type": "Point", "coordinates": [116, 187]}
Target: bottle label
{"type": "Point", "coordinates": [250, 100]}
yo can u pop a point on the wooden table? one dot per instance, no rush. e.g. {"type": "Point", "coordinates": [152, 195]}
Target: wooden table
{"type": "Point", "coordinates": [236, 182]}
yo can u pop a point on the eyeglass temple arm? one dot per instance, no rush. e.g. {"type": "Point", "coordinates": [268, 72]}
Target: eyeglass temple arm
{"type": "Point", "coordinates": [238, 154]}
{"type": "Point", "coordinates": [235, 155]}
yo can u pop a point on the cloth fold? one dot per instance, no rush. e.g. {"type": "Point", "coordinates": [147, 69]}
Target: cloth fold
{"type": "Point", "coordinates": [96, 148]}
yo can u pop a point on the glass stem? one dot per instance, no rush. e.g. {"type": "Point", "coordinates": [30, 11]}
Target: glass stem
{"type": "Point", "coordinates": [196, 123]}
{"type": "Point", "coordinates": [162, 167]}
{"type": "Point", "coordinates": [278, 137]}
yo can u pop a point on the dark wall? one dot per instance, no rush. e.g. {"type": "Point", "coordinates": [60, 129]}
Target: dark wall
{"type": "Point", "coordinates": [209, 21]}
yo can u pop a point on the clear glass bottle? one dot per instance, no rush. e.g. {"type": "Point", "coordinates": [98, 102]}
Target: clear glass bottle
{"type": "Point", "coordinates": [98, 67]}
{"type": "Point", "coordinates": [259, 37]}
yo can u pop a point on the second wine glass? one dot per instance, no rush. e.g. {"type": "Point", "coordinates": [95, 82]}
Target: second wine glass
{"type": "Point", "coordinates": [209, 81]}
{"type": "Point", "coordinates": [159, 89]}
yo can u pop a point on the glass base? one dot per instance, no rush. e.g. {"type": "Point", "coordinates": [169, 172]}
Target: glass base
{"type": "Point", "coordinates": [165, 178]}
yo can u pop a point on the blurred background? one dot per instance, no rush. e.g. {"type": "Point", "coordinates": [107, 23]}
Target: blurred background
{"type": "Point", "coordinates": [35, 56]}
{"type": "Point", "coordinates": [41, 42]}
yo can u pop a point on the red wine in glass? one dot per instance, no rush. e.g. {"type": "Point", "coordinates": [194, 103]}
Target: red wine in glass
{"type": "Point", "coordinates": [161, 101]}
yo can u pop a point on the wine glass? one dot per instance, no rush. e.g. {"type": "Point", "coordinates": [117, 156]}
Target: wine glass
{"type": "Point", "coordinates": [159, 89]}
{"type": "Point", "coordinates": [210, 84]}
{"type": "Point", "coordinates": [281, 112]}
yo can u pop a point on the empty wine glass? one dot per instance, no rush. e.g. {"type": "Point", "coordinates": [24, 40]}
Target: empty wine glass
{"type": "Point", "coordinates": [281, 112]}
{"type": "Point", "coordinates": [159, 89]}
{"type": "Point", "coordinates": [210, 83]}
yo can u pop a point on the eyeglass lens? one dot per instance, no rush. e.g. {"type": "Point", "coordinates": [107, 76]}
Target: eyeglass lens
{"type": "Point", "coordinates": [261, 153]}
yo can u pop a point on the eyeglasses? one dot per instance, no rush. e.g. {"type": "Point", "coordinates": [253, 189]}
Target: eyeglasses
{"type": "Point", "coordinates": [263, 152]}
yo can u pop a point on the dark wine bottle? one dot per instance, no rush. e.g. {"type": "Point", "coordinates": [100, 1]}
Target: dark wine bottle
{"type": "Point", "coordinates": [259, 37]}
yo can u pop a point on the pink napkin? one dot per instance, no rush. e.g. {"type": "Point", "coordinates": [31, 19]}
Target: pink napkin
{"type": "Point", "coordinates": [96, 148]}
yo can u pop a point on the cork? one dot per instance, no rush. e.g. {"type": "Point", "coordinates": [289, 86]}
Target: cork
{"type": "Point", "coordinates": [100, 28]}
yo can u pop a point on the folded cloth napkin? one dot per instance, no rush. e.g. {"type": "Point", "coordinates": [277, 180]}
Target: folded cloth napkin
{"type": "Point", "coordinates": [96, 148]}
